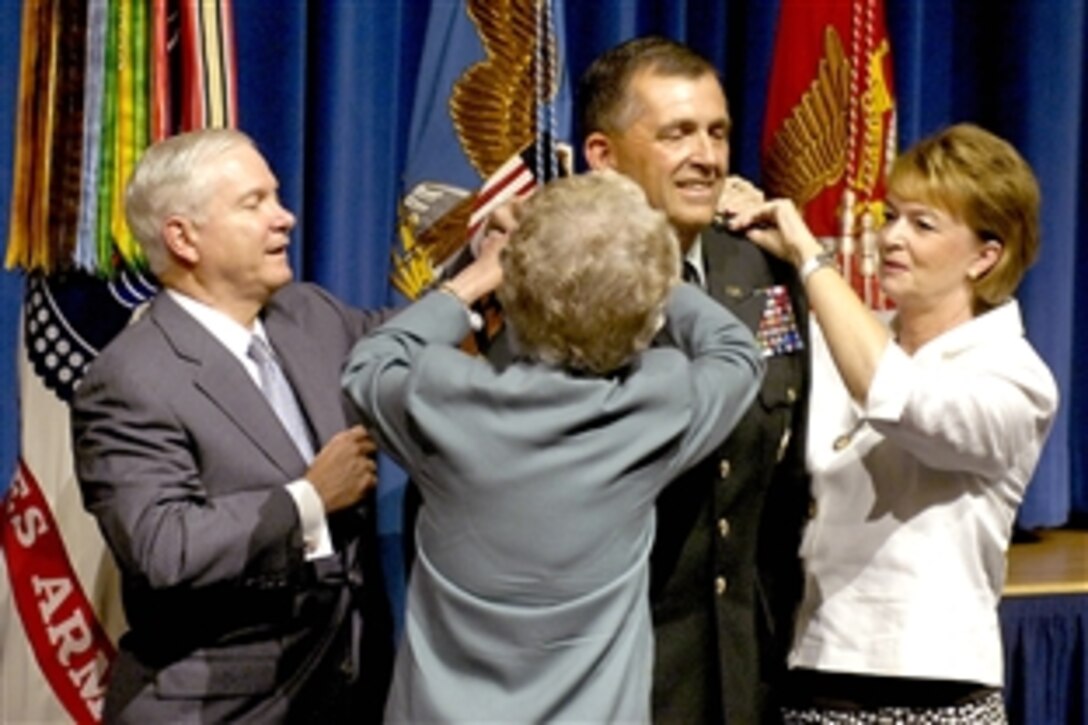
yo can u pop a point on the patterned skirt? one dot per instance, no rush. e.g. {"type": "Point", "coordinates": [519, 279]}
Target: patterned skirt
{"type": "Point", "coordinates": [987, 710]}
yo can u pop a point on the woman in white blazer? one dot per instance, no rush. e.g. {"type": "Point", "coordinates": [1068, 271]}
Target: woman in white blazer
{"type": "Point", "coordinates": [923, 438]}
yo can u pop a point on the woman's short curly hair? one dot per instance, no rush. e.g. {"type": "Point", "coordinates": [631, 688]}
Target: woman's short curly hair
{"type": "Point", "coordinates": [981, 180]}
{"type": "Point", "coordinates": [587, 273]}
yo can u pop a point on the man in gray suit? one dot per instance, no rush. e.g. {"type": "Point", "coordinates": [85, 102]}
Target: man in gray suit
{"type": "Point", "coordinates": [232, 487]}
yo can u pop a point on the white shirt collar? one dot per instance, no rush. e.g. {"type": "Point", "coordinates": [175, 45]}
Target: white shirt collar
{"type": "Point", "coordinates": [233, 336]}
{"type": "Point", "coordinates": [1002, 321]}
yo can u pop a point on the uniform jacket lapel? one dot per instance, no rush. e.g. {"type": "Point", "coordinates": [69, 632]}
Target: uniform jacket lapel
{"type": "Point", "coordinates": [730, 261]}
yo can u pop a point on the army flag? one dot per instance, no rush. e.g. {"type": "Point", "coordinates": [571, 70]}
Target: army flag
{"type": "Point", "coordinates": [829, 133]}
{"type": "Point", "coordinates": [60, 610]}
{"type": "Point", "coordinates": [87, 108]}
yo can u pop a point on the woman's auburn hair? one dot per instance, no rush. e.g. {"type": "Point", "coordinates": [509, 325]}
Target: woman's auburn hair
{"type": "Point", "coordinates": [981, 180]}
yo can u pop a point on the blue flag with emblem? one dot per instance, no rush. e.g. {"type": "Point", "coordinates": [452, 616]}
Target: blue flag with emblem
{"type": "Point", "coordinates": [491, 111]}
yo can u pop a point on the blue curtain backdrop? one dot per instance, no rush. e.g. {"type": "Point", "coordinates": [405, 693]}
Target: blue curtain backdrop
{"type": "Point", "coordinates": [11, 285]}
{"type": "Point", "coordinates": [326, 89]}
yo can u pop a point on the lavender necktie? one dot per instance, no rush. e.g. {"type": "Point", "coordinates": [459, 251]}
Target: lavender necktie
{"type": "Point", "coordinates": [278, 391]}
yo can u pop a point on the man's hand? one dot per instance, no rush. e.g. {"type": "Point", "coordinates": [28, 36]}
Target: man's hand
{"type": "Point", "coordinates": [344, 470]}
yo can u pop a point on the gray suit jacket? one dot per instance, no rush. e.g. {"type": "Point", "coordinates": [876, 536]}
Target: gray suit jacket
{"type": "Point", "coordinates": [183, 463]}
{"type": "Point", "coordinates": [528, 601]}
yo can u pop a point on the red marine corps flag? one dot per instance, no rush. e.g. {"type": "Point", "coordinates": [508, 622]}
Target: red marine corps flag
{"type": "Point", "coordinates": [829, 136]}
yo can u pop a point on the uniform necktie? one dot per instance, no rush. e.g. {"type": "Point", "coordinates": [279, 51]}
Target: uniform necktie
{"type": "Point", "coordinates": [278, 392]}
{"type": "Point", "coordinates": [691, 274]}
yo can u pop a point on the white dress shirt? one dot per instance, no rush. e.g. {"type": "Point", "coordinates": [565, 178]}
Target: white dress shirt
{"type": "Point", "coordinates": [916, 492]}
{"type": "Point", "coordinates": [236, 338]}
